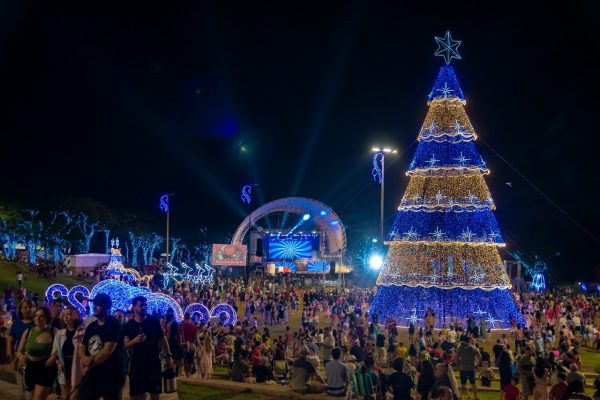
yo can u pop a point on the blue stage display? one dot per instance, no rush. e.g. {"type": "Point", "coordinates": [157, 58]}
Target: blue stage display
{"type": "Point", "coordinates": [407, 304]}
{"type": "Point", "coordinates": [319, 266]}
{"type": "Point", "coordinates": [290, 249]}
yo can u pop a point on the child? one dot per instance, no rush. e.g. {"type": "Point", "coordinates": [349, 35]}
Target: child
{"type": "Point", "coordinates": [486, 374]}
{"type": "Point", "coordinates": [511, 391]}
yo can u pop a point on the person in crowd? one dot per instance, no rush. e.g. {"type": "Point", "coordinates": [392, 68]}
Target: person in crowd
{"type": "Point", "coordinates": [426, 379]}
{"type": "Point", "coordinates": [189, 332]}
{"type": "Point", "coordinates": [468, 357]}
{"type": "Point", "coordinates": [102, 355]}
{"type": "Point", "coordinates": [240, 369]}
{"type": "Point", "coordinates": [301, 373]}
{"type": "Point", "coordinates": [22, 323]}
{"type": "Point", "coordinates": [525, 369]}
{"type": "Point", "coordinates": [511, 391]}
{"type": "Point", "coordinates": [443, 393]}
{"type": "Point", "coordinates": [505, 368]}
{"type": "Point", "coordinates": [400, 383]}
{"type": "Point", "coordinates": [64, 352]}
{"type": "Point", "coordinates": [173, 334]}
{"type": "Point", "coordinates": [337, 374]}
{"type": "Point", "coordinates": [486, 374]}
{"type": "Point", "coordinates": [143, 337]}
{"type": "Point", "coordinates": [263, 373]}
{"type": "Point", "coordinates": [576, 391]}
{"type": "Point", "coordinates": [575, 375]}
{"type": "Point", "coordinates": [35, 354]}
{"type": "Point", "coordinates": [327, 345]}
{"type": "Point", "coordinates": [560, 387]}
{"type": "Point", "coordinates": [365, 381]}
{"type": "Point", "coordinates": [57, 309]}
{"type": "Point", "coordinates": [206, 358]}
{"type": "Point", "coordinates": [444, 376]}
{"type": "Point", "coordinates": [541, 375]}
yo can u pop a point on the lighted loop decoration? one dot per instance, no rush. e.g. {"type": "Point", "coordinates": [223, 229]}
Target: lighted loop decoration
{"type": "Point", "coordinates": [164, 203]}
{"type": "Point", "coordinates": [200, 309]}
{"type": "Point", "coordinates": [230, 315]}
{"type": "Point", "coordinates": [377, 163]}
{"type": "Point", "coordinates": [56, 288]}
{"type": "Point", "coordinates": [73, 298]}
{"type": "Point", "coordinates": [246, 192]}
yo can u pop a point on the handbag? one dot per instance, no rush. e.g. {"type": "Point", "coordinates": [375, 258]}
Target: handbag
{"type": "Point", "coordinates": [169, 381]}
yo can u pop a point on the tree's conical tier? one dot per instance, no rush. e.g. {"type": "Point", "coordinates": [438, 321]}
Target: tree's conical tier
{"type": "Point", "coordinates": [445, 235]}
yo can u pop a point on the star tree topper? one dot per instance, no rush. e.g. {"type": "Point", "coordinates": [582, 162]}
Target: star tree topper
{"type": "Point", "coordinates": [447, 48]}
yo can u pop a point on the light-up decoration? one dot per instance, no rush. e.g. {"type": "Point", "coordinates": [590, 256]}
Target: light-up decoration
{"type": "Point", "coordinates": [377, 171]}
{"type": "Point", "coordinates": [163, 203]}
{"type": "Point", "coordinates": [122, 294]}
{"type": "Point", "coordinates": [319, 266]}
{"type": "Point", "coordinates": [539, 282]}
{"type": "Point", "coordinates": [443, 244]}
{"type": "Point", "coordinates": [537, 271]}
{"type": "Point", "coordinates": [246, 192]}
{"type": "Point", "coordinates": [116, 269]}
{"type": "Point", "coordinates": [447, 47]}
{"type": "Point", "coordinates": [204, 316]}
{"type": "Point", "coordinates": [290, 249]}
{"type": "Point", "coordinates": [83, 292]}
{"type": "Point", "coordinates": [54, 290]}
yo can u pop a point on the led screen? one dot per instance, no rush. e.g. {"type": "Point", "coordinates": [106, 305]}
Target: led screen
{"type": "Point", "coordinates": [290, 249]}
{"type": "Point", "coordinates": [229, 254]}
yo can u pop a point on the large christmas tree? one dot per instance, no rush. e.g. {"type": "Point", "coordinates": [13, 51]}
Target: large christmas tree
{"type": "Point", "coordinates": [443, 246]}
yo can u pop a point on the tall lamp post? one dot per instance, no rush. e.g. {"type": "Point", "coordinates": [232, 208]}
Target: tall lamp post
{"type": "Point", "coordinates": [379, 177]}
{"type": "Point", "coordinates": [165, 207]}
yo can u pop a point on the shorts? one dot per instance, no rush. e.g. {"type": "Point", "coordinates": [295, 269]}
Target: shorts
{"type": "Point", "coordinates": [92, 388]}
{"type": "Point", "coordinates": [467, 375]}
{"type": "Point", "coordinates": [145, 379]}
{"type": "Point", "coordinates": [36, 373]}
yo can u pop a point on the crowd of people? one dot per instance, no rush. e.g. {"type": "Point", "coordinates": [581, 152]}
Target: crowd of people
{"type": "Point", "coordinates": [335, 346]}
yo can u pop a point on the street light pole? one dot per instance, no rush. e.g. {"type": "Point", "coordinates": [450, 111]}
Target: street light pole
{"type": "Point", "coordinates": [165, 206]}
{"type": "Point", "coordinates": [379, 174]}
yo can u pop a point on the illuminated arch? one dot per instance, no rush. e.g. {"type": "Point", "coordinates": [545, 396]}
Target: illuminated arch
{"type": "Point", "coordinates": [325, 219]}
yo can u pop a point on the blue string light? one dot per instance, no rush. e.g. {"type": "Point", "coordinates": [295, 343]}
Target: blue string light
{"type": "Point", "coordinates": [377, 163]}
{"type": "Point", "coordinates": [446, 85]}
{"type": "Point", "coordinates": [84, 292]}
{"type": "Point", "coordinates": [399, 302]}
{"type": "Point", "coordinates": [53, 290]}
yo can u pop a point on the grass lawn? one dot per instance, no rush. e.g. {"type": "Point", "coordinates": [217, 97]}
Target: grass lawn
{"type": "Point", "coordinates": [195, 392]}
{"type": "Point", "coordinates": [34, 283]}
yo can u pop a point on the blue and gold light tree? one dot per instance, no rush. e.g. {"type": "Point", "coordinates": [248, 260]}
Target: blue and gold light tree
{"type": "Point", "coordinates": [443, 246]}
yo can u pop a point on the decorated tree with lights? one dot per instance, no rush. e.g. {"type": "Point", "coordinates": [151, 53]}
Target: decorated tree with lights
{"type": "Point", "coordinates": [443, 246]}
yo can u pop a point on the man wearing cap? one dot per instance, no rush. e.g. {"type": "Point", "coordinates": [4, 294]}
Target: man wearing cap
{"type": "Point", "coordinates": [143, 335]}
{"type": "Point", "coordinates": [102, 355]}
{"type": "Point", "coordinates": [302, 371]}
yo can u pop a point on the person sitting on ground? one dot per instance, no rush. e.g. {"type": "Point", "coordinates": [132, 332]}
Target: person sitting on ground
{"type": "Point", "coordinates": [263, 372]}
{"type": "Point", "coordinates": [575, 375]}
{"type": "Point", "coordinates": [240, 369]}
{"type": "Point", "coordinates": [302, 371]}
{"type": "Point", "coordinates": [576, 390]}
{"type": "Point", "coordinates": [365, 381]}
{"type": "Point", "coordinates": [337, 374]}
{"type": "Point", "coordinates": [486, 374]}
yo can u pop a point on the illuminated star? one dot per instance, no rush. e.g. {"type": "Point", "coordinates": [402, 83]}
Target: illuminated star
{"type": "Point", "coordinates": [434, 277]}
{"type": "Point", "coordinates": [462, 160]}
{"type": "Point", "coordinates": [447, 48]}
{"type": "Point", "coordinates": [432, 161]}
{"type": "Point", "coordinates": [471, 197]}
{"type": "Point", "coordinates": [479, 311]}
{"type": "Point", "coordinates": [411, 234]}
{"type": "Point", "coordinates": [445, 90]}
{"type": "Point", "coordinates": [492, 321]}
{"type": "Point", "coordinates": [482, 163]}
{"type": "Point", "coordinates": [467, 235]}
{"type": "Point", "coordinates": [458, 127]}
{"type": "Point", "coordinates": [478, 277]}
{"type": "Point", "coordinates": [493, 235]}
{"type": "Point", "coordinates": [438, 234]}
{"type": "Point", "coordinates": [413, 318]}
{"type": "Point", "coordinates": [416, 198]}
{"type": "Point", "coordinates": [439, 197]}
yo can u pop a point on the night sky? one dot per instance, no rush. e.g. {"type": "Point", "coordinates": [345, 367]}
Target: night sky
{"type": "Point", "coordinates": [121, 104]}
